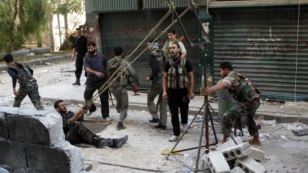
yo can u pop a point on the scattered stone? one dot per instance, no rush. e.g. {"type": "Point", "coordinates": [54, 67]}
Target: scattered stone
{"type": "Point", "coordinates": [256, 154]}
{"type": "Point", "coordinates": [237, 170]}
{"type": "Point", "coordinates": [301, 132]}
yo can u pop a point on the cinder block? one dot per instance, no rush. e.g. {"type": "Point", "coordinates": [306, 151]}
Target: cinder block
{"type": "Point", "coordinates": [217, 163]}
{"type": "Point", "coordinates": [12, 154]}
{"type": "Point", "coordinates": [256, 154]}
{"type": "Point", "coordinates": [229, 143]}
{"type": "Point", "coordinates": [3, 127]}
{"type": "Point", "coordinates": [33, 127]}
{"type": "Point", "coordinates": [51, 159]}
{"type": "Point", "coordinates": [238, 151]}
{"type": "Point", "coordinates": [237, 170]}
{"type": "Point", "coordinates": [250, 165]}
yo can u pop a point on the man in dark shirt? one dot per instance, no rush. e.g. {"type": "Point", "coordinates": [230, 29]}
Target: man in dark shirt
{"type": "Point", "coordinates": [95, 65]}
{"type": "Point", "coordinates": [75, 132]}
{"type": "Point", "coordinates": [27, 83]}
{"type": "Point", "coordinates": [178, 84]}
{"type": "Point", "coordinates": [80, 49]}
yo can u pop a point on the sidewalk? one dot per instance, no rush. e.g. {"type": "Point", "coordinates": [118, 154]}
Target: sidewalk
{"type": "Point", "coordinates": [282, 113]}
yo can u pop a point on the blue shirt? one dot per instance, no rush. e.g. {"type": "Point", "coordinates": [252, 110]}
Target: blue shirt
{"type": "Point", "coordinates": [96, 62]}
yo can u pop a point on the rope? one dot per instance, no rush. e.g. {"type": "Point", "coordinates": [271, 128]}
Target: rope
{"type": "Point", "coordinates": [115, 75]}
{"type": "Point", "coordinates": [296, 53]}
{"type": "Point", "coordinates": [102, 89]}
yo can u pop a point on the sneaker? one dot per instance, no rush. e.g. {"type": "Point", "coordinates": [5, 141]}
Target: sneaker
{"type": "Point", "coordinates": [173, 138]}
{"type": "Point", "coordinates": [154, 120]}
{"type": "Point", "coordinates": [107, 119]}
{"type": "Point", "coordinates": [120, 142]}
{"type": "Point", "coordinates": [160, 126]}
{"type": "Point", "coordinates": [120, 126]}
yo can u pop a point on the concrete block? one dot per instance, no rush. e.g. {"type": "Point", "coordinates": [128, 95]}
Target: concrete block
{"type": "Point", "coordinates": [12, 154]}
{"type": "Point", "coordinates": [50, 160]}
{"type": "Point", "coordinates": [3, 127]}
{"type": "Point", "coordinates": [23, 52]}
{"type": "Point", "coordinates": [229, 144]}
{"type": "Point", "coordinates": [33, 127]}
{"type": "Point", "coordinates": [250, 165]}
{"type": "Point", "coordinates": [217, 163]}
{"type": "Point", "coordinates": [41, 50]}
{"type": "Point", "coordinates": [238, 151]}
{"type": "Point", "coordinates": [256, 154]}
{"type": "Point", "coordinates": [237, 170]}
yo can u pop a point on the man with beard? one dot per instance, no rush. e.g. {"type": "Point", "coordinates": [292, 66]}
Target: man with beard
{"type": "Point", "coordinates": [95, 65]}
{"type": "Point", "coordinates": [247, 98]}
{"type": "Point", "coordinates": [178, 84]}
{"type": "Point", "coordinates": [75, 132]}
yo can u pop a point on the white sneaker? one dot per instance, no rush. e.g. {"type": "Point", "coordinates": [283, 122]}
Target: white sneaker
{"type": "Point", "coordinates": [107, 119]}
{"type": "Point", "coordinates": [173, 138]}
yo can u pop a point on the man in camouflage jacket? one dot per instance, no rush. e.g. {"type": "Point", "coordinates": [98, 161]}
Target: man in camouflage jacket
{"type": "Point", "coordinates": [247, 99]}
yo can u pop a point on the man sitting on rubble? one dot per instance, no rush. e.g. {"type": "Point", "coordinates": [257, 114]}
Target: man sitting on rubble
{"type": "Point", "coordinates": [247, 99]}
{"type": "Point", "coordinates": [75, 132]}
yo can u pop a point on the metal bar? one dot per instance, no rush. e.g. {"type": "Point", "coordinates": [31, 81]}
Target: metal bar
{"type": "Point", "coordinates": [183, 133]}
{"type": "Point", "coordinates": [129, 167]}
{"type": "Point", "coordinates": [192, 148]}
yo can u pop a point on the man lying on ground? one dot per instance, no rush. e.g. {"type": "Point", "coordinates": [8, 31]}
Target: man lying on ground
{"type": "Point", "coordinates": [75, 132]}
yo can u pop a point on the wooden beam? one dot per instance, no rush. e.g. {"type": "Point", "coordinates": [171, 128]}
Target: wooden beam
{"type": "Point", "coordinates": [253, 3]}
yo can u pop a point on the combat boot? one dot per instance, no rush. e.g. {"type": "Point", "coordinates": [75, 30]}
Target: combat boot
{"type": "Point", "coordinates": [77, 82]}
{"type": "Point", "coordinates": [117, 143]}
{"type": "Point", "coordinates": [101, 142]}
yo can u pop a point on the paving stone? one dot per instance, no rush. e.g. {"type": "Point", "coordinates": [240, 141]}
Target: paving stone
{"type": "Point", "coordinates": [217, 163]}
{"type": "Point", "coordinates": [256, 154]}
{"type": "Point", "coordinates": [250, 165]}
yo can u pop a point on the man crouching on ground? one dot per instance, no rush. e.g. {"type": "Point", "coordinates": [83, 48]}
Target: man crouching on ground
{"type": "Point", "coordinates": [75, 132]}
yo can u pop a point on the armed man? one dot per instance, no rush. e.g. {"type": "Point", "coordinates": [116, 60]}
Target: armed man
{"type": "Point", "coordinates": [27, 83]}
{"type": "Point", "coordinates": [247, 98]}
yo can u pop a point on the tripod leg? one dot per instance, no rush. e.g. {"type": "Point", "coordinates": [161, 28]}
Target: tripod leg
{"type": "Point", "coordinates": [200, 138]}
{"type": "Point", "coordinates": [184, 132]}
{"type": "Point", "coordinates": [212, 122]}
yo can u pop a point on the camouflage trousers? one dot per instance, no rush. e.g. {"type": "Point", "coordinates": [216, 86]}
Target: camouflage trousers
{"type": "Point", "coordinates": [154, 91]}
{"type": "Point", "coordinates": [121, 96]}
{"type": "Point", "coordinates": [239, 111]}
{"type": "Point", "coordinates": [32, 91]}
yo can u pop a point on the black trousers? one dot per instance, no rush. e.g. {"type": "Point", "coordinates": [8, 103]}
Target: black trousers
{"type": "Point", "coordinates": [79, 133]}
{"type": "Point", "coordinates": [178, 99]}
{"type": "Point", "coordinates": [90, 89]}
{"type": "Point", "coordinates": [79, 65]}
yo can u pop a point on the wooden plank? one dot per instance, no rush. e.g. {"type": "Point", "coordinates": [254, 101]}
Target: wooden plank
{"type": "Point", "coordinates": [254, 3]}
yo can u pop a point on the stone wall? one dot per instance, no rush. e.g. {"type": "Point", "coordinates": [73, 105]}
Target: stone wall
{"type": "Point", "coordinates": [33, 141]}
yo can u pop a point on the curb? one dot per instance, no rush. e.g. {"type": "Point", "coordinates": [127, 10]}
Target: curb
{"type": "Point", "coordinates": [260, 114]}
{"type": "Point", "coordinates": [43, 61]}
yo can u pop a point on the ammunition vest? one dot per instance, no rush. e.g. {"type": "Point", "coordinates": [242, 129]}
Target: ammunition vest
{"type": "Point", "coordinates": [118, 65]}
{"type": "Point", "coordinates": [245, 91]}
{"type": "Point", "coordinates": [177, 74]}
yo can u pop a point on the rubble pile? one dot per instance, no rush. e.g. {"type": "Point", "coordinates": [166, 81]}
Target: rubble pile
{"type": "Point", "coordinates": [234, 158]}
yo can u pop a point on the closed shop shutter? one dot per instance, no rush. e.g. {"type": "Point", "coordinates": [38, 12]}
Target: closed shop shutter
{"type": "Point", "coordinates": [264, 45]}
{"type": "Point", "coordinates": [128, 29]}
